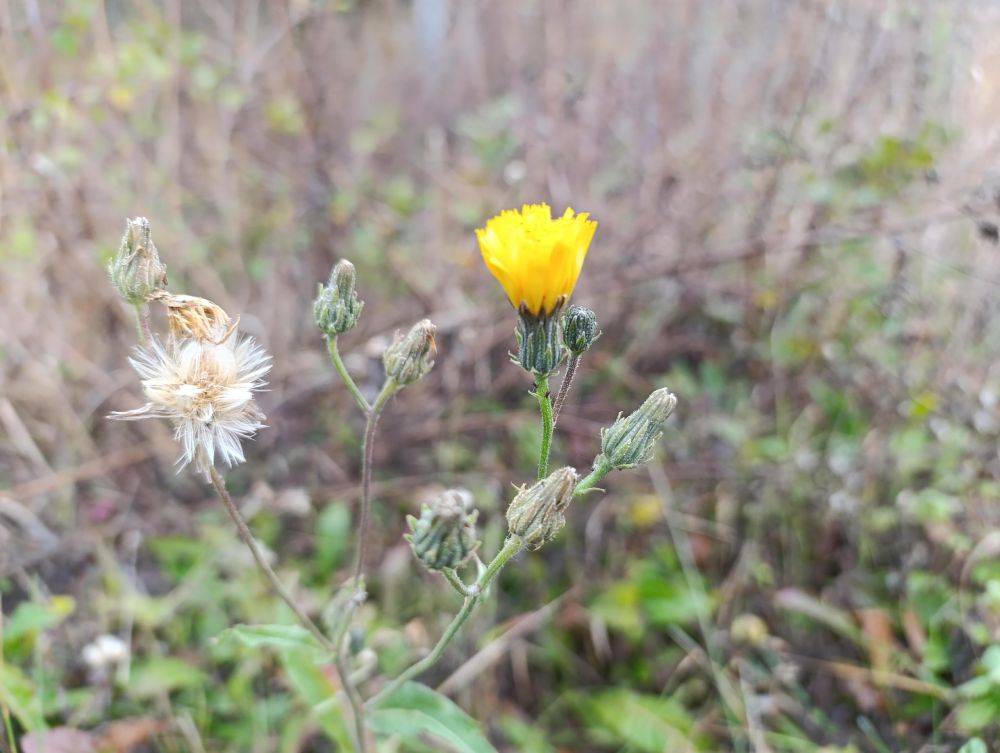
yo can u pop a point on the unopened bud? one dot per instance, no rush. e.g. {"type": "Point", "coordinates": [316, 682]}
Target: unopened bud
{"type": "Point", "coordinates": [539, 347]}
{"type": "Point", "coordinates": [411, 356]}
{"type": "Point", "coordinates": [579, 329]}
{"type": "Point", "coordinates": [198, 318]}
{"type": "Point", "coordinates": [536, 512]}
{"type": "Point", "coordinates": [136, 270]}
{"type": "Point", "coordinates": [630, 440]}
{"type": "Point", "coordinates": [444, 537]}
{"type": "Point", "coordinates": [337, 306]}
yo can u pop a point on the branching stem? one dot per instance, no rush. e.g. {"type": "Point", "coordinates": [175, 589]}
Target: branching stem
{"type": "Point", "coordinates": [388, 390]}
{"type": "Point", "coordinates": [279, 588]}
{"type": "Point", "coordinates": [511, 547]}
{"type": "Point", "coordinates": [338, 364]}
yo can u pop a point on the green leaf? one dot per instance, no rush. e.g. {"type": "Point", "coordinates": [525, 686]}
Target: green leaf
{"type": "Point", "coordinates": [975, 745]}
{"type": "Point", "coordinates": [33, 617]}
{"type": "Point", "coordinates": [317, 691]}
{"type": "Point", "coordinates": [415, 712]}
{"type": "Point", "coordinates": [277, 637]}
{"type": "Point", "coordinates": [163, 674]}
{"type": "Point", "coordinates": [647, 722]}
{"type": "Point", "coordinates": [19, 694]}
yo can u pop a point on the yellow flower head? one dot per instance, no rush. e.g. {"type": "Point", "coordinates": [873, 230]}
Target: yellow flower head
{"type": "Point", "coordinates": [537, 259]}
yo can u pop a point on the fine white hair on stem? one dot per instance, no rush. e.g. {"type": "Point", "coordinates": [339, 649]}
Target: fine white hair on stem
{"type": "Point", "coordinates": [206, 390]}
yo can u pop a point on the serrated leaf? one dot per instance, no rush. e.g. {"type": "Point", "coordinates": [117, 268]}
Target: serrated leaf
{"type": "Point", "coordinates": [276, 637]}
{"type": "Point", "coordinates": [415, 712]}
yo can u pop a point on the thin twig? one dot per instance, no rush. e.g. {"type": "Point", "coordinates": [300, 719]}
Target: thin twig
{"type": "Point", "coordinates": [338, 364]}
{"type": "Point", "coordinates": [564, 387]}
{"type": "Point", "coordinates": [388, 390]}
{"type": "Point", "coordinates": [248, 538]}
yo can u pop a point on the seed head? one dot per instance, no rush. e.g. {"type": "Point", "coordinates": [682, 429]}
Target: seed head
{"type": "Point", "coordinates": [196, 318]}
{"type": "Point", "coordinates": [206, 390]}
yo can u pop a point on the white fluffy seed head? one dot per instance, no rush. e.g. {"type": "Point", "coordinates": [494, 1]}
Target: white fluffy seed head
{"type": "Point", "coordinates": [207, 391]}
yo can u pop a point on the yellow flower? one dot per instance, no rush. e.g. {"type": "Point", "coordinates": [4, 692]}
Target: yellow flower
{"type": "Point", "coordinates": [537, 259]}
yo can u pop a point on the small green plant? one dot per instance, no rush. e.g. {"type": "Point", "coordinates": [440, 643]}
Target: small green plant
{"type": "Point", "coordinates": [203, 378]}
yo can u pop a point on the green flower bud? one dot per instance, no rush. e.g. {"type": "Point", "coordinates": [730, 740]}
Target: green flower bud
{"type": "Point", "coordinates": [539, 347]}
{"type": "Point", "coordinates": [630, 440]}
{"type": "Point", "coordinates": [337, 307]}
{"type": "Point", "coordinates": [536, 512]}
{"type": "Point", "coordinates": [444, 537]}
{"type": "Point", "coordinates": [136, 270]}
{"type": "Point", "coordinates": [579, 329]}
{"type": "Point", "coordinates": [410, 357]}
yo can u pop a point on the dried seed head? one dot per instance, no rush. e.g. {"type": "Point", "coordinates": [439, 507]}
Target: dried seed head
{"type": "Point", "coordinates": [444, 537]}
{"type": "Point", "coordinates": [411, 356]}
{"type": "Point", "coordinates": [536, 512]}
{"type": "Point", "coordinates": [337, 306]}
{"type": "Point", "coordinates": [207, 392]}
{"type": "Point", "coordinates": [630, 441]}
{"type": "Point", "coordinates": [579, 329]}
{"type": "Point", "coordinates": [136, 270]}
{"type": "Point", "coordinates": [197, 318]}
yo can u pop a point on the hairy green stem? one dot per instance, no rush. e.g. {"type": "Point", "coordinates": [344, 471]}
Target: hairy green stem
{"type": "Point", "coordinates": [456, 581]}
{"type": "Point", "coordinates": [145, 331]}
{"type": "Point", "coordinates": [388, 390]}
{"type": "Point", "coordinates": [602, 467]}
{"type": "Point", "coordinates": [248, 538]}
{"type": "Point", "coordinates": [511, 547]}
{"type": "Point", "coordinates": [564, 386]}
{"type": "Point", "coordinates": [545, 406]}
{"type": "Point", "coordinates": [338, 364]}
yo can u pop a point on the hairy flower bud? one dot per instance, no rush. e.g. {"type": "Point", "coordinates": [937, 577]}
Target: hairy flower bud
{"type": "Point", "coordinates": [536, 512]}
{"type": "Point", "coordinates": [579, 329]}
{"type": "Point", "coordinates": [337, 306]}
{"type": "Point", "coordinates": [136, 270]}
{"type": "Point", "coordinates": [539, 347]}
{"type": "Point", "coordinates": [444, 537]}
{"type": "Point", "coordinates": [630, 440]}
{"type": "Point", "coordinates": [411, 356]}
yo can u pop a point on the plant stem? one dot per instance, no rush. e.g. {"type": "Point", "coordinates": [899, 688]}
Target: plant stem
{"type": "Point", "coordinates": [545, 406]}
{"type": "Point", "coordinates": [456, 581]}
{"type": "Point", "coordinates": [388, 390]}
{"type": "Point", "coordinates": [564, 386]}
{"type": "Point", "coordinates": [142, 322]}
{"type": "Point", "coordinates": [248, 538]}
{"type": "Point", "coordinates": [511, 547]}
{"type": "Point", "coordinates": [338, 364]}
{"type": "Point", "coordinates": [601, 469]}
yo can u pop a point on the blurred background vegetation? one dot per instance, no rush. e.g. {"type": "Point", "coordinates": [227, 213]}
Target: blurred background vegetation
{"type": "Point", "coordinates": [799, 213]}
